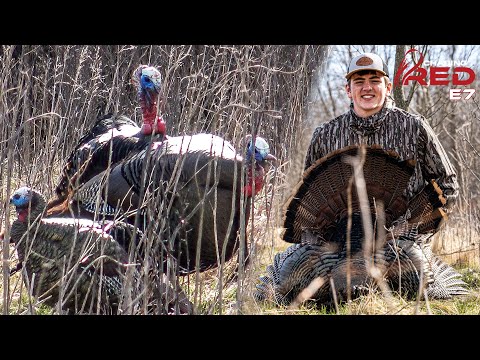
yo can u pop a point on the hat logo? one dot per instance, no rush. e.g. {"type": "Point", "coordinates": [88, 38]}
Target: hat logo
{"type": "Point", "coordinates": [364, 61]}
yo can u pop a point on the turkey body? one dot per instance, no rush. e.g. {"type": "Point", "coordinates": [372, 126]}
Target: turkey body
{"type": "Point", "coordinates": [71, 261]}
{"type": "Point", "coordinates": [191, 193]}
{"type": "Point", "coordinates": [332, 259]}
{"type": "Point", "coordinates": [111, 134]}
{"type": "Point", "coordinates": [112, 138]}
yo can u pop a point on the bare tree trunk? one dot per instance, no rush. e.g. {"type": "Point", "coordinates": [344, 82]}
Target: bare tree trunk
{"type": "Point", "coordinates": [398, 94]}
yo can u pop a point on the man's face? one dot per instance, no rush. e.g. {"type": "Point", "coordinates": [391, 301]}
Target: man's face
{"type": "Point", "coordinates": [368, 92]}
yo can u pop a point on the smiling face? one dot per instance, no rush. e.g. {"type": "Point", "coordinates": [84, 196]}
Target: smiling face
{"type": "Point", "coordinates": [368, 90]}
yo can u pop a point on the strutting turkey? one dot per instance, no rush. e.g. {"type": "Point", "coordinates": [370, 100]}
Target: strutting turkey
{"type": "Point", "coordinates": [194, 196]}
{"type": "Point", "coordinates": [113, 137]}
{"type": "Point", "coordinates": [83, 263]}
{"type": "Point", "coordinates": [327, 257]}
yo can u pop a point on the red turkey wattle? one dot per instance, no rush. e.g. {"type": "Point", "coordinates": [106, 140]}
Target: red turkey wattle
{"type": "Point", "coordinates": [22, 214]}
{"type": "Point", "coordinates": [258, 180]}
{"type": "Point", "coordinates": [148, 125]}
{"type": "Point", "coordinates": [148, 81]}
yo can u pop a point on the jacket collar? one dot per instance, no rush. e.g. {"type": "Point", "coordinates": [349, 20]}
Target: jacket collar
{"type": "Point", "coordinates": [372, 123]}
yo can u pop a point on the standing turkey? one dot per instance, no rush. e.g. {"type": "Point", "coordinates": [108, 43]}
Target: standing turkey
{"type": "Point", "coordinates": [68, 260]}
{"type": "Point", "coordinates": [337, 255]}
{"type": "Point", "coordinates": [191, 192]}
{"type": "Point", "coordinates": [113, 137]}
{"type": "Point", "coordinates": [83, 263]}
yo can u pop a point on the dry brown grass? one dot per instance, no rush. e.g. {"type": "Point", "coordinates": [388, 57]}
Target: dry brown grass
{"type": "Point", "coordinates": [266, 231]}
{"type": "Point", "coordinates": [51, 95]}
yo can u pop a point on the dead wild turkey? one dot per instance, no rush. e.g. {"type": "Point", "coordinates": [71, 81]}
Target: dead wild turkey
{"type": "Point", "coordinates": [193, 195]}
{"type": "Point", "coordinates": [327, 257]}
{"type": "Point", "coordinates": [70, 260]}
{"type": "Point", "coordinates": [114, 137]}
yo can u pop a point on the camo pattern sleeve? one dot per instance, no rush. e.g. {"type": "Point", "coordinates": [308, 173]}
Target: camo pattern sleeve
{"type": "Point", "coordinates": [312, 151]}
{"type": "Point", "coordinates": [436, 164]}
{"type": "Point", "coordinates": [327, 137]}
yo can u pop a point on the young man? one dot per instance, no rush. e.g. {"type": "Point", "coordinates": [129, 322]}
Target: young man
{"type": "Point", "coordinates": [317, 268]}
{"type": "Point", "coordinates": [373, 119]}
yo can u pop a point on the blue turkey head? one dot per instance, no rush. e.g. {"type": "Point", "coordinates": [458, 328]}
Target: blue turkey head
{"type": "Point", "coordinates": [150, 79]}
{"type": "Point", "coordinates": [21, 197]}
{"type": "Point", "coordinates": [24, 199]}
{"type": "Point", "coordinates": [261, 150]}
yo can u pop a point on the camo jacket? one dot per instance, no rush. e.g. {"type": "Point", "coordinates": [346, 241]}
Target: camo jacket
{"type": "Point", "coordinates": [394, 129]}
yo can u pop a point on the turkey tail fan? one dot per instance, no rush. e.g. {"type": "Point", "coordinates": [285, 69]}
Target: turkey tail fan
{"type": "Point", "coordinates": [425, 213]}
{"type": "Point", "coordinates": [320, 199]}
{"type": "Point", "coordinates": [426, 208]}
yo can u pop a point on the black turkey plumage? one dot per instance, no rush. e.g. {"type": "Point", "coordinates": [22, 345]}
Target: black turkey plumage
{"type": "Point", "coordinates": [74, 261]}
{"type": "Point", "coordinates": [320, 213]}
{"type": "Point", "coordinates": [196, 185]}
{"type": "Point", "coordinates": [113, 138]}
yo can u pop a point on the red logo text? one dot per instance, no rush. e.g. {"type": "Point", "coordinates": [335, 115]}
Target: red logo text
{"type": "Point", "coordinates": [438, 75]}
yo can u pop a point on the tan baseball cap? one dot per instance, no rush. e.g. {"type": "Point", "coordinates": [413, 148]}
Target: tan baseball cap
{"type": "Point", "coordinates": [367, 61]}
